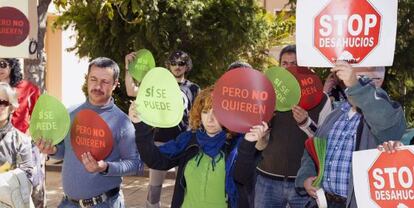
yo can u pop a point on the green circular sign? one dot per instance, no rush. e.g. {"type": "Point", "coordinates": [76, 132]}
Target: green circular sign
{"type": "Point", "coordinates": [286, 87]}
{"type": "Point", "coordinates": [143, 62]}
{"type": "Point", "coordinates": [50, 120]}
{"type": "Point", "coordinates": [160, 100]}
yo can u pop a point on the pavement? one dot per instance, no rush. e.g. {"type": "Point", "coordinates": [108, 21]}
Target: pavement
{"type": "Point", "coordinates": [134, 187]}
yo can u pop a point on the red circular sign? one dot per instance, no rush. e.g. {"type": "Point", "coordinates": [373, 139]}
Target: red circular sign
{"type": "Point", "coordinates": [311, 87]}
{"type": "Point", "coordinates": [391, 179]}
{"type": "Point", "coordinates": [90, 133]}
{"type": "Point", "coordinates": [243, 98]}
{"type": "Point", "coordinates": [347, 30]}
{"type": "Point", "coordinates": [14, 26]}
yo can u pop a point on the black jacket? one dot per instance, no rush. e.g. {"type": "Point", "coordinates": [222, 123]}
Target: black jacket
{"type": "Point", "coordinates": [154, 159]}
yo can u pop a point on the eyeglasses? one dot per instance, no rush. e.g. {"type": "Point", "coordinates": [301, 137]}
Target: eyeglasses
{"type": "Point", "coordinates": [180, 63]}
{"type": "Point", "coordinates": [4, 103]}
{"type": "Point", "coordinates": [3, 64]}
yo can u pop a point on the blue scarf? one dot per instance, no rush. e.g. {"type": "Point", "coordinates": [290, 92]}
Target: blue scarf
{"type": "Point", "coordinates": [211, 146]}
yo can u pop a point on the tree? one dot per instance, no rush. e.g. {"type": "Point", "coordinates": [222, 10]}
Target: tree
{"type": "Point", "coordinates": [215, 33]}
{"type": "Point", "coordinates": [34, 69]}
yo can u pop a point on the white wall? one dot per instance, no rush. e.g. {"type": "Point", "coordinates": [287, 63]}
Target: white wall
{"type": "Point", "coordinates": [73, 71]}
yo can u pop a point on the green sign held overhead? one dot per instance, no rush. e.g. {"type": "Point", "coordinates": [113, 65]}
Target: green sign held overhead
{"type": "Point", "coordinates": [143, 62]}
{"type": "Point", "coordinates": [50, 120]}
{"type": "Point", "coordinates": [286, 87]}
{"type": "Point", "coordinates": [160, 100]}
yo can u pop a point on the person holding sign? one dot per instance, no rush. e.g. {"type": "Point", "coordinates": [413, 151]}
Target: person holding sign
{"type": "Point", "coordinates": [28, 93]}
{"type": "Point", "coordinates": [288, 133]}
{"type": "Point", "coordinates": [86, 181]}
{"type": "Point", "coordinates": [203, 156]}
{"type": "Point", "coordinates": [368, 118]}
{"type": "Point", "coordinates": [15, 147]}
{"type": "Point", "coordinates": [179, 63]}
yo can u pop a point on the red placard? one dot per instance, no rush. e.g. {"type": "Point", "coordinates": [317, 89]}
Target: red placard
{"type": "Point", "coordinates": [391, 179]}
{"type": "Point", "coordinates": [243, 98]}
{"type": "Point", "coordinates": [311, 87]}
{"type": "Point", "coordinates": [90, 133]}
{"type": "Point", "coordinates": [347, 30]}
{"type": "Point", "coordinates": [14, 26]}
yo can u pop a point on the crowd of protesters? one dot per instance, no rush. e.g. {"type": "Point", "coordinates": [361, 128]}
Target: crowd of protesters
{"type": "Point", "coordinates": [266, 167]}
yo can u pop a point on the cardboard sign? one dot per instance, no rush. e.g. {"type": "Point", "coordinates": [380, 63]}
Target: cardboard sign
{"type": "Point", "coordinates": [311, 87]}
{"type": "Point", "coordinates": [160, 100]}
{"type": "Point", "coordinates": [18, 32]}
{"type": "Point", "coordinates": [286, 87]}
{"type": "Point", "coordinates": [243, 98]}
{"type": "Point", "coordinates": [50, 120]}
{"type": "Point", "coordinates": [361, 32]}
{"type": "Point", "coordinates": [384, 180]}
{"type": "Point", "coordinates": [143, 62]}
{"type": "Point", "coordinates": [90, 133]}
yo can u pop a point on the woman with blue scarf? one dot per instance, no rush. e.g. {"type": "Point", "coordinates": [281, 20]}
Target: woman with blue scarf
{"type": "Point", "coordinates": [204, 156]}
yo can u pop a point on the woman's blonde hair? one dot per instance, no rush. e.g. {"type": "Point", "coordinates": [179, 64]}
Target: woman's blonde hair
{"type": "Point", "coordinates": [11, 95]}
{"type": "Point", "coordinates": [203, 102]}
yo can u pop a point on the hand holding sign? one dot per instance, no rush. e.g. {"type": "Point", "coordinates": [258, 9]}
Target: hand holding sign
{"type": "Point", "coordinates": [286, 87]}
{"type": "Point", "coordinates": [345, 72]}
{"type": "Point", "coordinates": [243, 98]}
{"type": "Point", "coordinates": [90, 133]}
{"type": "Point", "coordinates": [160, 100]}
{"type": "Point", "coordinates": [143, 62]}
{"type": "Point", "coordinates": [50, 120]}
{"type": "Point", "coordinates": [382, 179]}
{"type": "Point", "coordinates": [92, 165]}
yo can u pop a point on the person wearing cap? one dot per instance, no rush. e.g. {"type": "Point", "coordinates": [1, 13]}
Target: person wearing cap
{"type": "Point", "coordinates": [276, 171]}
{"type": "Point", "coordinates": [88, 182]}
{"type": "Point", "coordinates": [368, 118]}
{"type": "Point", "coordinates": [28, 93]}
{"type": "Point", "coordinates": [179, 63]}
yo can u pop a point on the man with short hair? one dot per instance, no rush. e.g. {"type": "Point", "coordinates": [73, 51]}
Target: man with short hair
{"type": "Point", "coordinates": [367, 119]}
{"type": "Point", "coordinates": [287, 57]}
{"type": "Point", "coordinates": [179, 63]}
{"type": "Point", "coordinates": [276, 172]}
{"type": "Point", "coordinates": [88, 182]}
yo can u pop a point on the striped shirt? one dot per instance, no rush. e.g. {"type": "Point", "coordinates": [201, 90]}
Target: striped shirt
{"type": "Point", "coordinates": [341, 144]}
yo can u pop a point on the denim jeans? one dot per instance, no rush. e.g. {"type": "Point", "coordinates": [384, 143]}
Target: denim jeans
{"type": "Point", "coordinates": [271, 193]}
{"type": "Point", "coordinates": [116, 201]}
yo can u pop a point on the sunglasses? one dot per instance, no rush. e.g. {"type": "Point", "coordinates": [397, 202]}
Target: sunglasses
{"type": "Point", "coordinates": [180, 63]}
{"type": "Point", "coordinates": [4, 103]}
{"type": "Point", "coordinates": [4, 64]}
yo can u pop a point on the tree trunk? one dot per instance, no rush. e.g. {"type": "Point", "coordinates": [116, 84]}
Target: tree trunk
{"type": "Point", "coordinates": [35, 69]}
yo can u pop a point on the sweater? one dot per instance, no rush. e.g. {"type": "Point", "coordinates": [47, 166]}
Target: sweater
{"type": "Point", "coordinates": [124, 159]}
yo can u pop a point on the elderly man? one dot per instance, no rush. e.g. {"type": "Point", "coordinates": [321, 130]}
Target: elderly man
{"type": "Point", "coordinates": [367, 119]}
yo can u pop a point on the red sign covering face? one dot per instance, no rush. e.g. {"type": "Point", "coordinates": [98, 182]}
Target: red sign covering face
{"type": "Point", "coordinates": [243, 98]}
{"type": "Point", "coordinates": [391, 179]}
{"type": "Point", "coordinates": [90, 133]}
{"type": "Point", "coordinates": [347, 30]}
{"type": "Point", "coordinates": [14, 26]}
{"type": "Point", "coordinates": [310, 85]}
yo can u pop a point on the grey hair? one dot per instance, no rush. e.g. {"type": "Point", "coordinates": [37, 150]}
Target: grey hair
{"type": "Point", "coordinates": [104, 62]}
{"type": "Point", "coordinates": [11, 94]}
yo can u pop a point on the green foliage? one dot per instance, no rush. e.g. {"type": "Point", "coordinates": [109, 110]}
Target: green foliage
{"type": "Point", "coordinates": [214, 32]}
{"type": "Point", "coordinates": [400, 77]}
